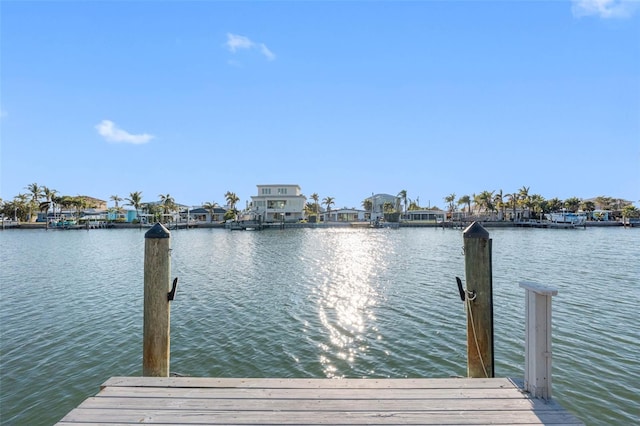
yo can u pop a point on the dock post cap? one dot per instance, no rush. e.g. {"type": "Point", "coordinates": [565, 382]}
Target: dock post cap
{"type": "Point", "coordinates": [475, 230]}
{"type": "Point", "coordinates": [538, 288]}
{"type": "Point", "coordinates": [157, 231]}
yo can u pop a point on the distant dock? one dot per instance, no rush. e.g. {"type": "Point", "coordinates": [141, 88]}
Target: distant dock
{"type": "Point", "coordinates": [217, 401]}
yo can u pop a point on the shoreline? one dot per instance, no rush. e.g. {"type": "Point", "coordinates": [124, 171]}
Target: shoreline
{"type": "Point", "coordinates": [417, 224]}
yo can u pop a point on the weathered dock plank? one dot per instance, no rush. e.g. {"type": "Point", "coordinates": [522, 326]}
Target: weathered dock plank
{"type": "Point", "coordinates": [186, 401]}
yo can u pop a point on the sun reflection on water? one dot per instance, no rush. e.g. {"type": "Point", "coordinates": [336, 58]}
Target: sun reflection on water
{"type": "Point", "coordinates": [346, 297]}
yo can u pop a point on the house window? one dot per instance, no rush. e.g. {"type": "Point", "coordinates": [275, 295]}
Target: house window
{"type": "Point", "coordinates": [266, 191]}
{"type": "Point", "coordinates": [282, 191]}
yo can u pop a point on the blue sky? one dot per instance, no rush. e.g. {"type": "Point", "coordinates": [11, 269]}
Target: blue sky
{"type": "Point", "coordinates": [194, 99]}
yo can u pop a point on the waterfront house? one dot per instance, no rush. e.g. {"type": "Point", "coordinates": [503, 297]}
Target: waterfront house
{"type": "Point", "coordinates": [201, 214]}
{"type": "Point", "coordinates": [94, 216]}
{"type": "Point", "coordinates": [424, 215]}
{"type": "Point", "coordinates": [345, 215]}
{"type": "Point", "coordinates": [378, 201]}
{"type": "Point", "coordinates": [278, 203]}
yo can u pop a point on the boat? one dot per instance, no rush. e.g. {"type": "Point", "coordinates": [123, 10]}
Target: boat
{"type": "Point", "coordinates": [566, 219]}
{"type": "Point", "coordinates": [246, 225]}
{"type": "Point", "coordinates": [9, 223]}
{"type": "Point", "coordinates": [384, 224]}
{"type": "Point", "coordinates": [65, 224]}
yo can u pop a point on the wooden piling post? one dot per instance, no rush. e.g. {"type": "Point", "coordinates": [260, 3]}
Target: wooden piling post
{"type": "Point", "coordinates": [479, 301]}
{"type": "Point", "coordinates": [157, 276]}
{"type": "Point", "coordinates": [537, 354]}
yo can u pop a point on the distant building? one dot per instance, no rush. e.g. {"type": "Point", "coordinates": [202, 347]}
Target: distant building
{"type": "Point", "coordinates": [202, 214]}
{"type": "Point", "coordinates": [123, 215]}
{"type": "Point", "coordinates": [378, 201]}
{"type": "Point", "coordinates": [345, 215]}
{"type": "Point", "coordinates": [278, 203]}
{"type": "Point", "coordinates": [425, 215]}
{"type": "Point", "coordinates": [93, 207]}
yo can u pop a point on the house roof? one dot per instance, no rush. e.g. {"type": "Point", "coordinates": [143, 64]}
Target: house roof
{"type": "Point", "coordinates": [202, 210]}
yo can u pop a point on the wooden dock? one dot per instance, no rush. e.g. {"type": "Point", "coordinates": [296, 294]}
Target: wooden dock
{"type": "Point", "coordinates": [236, 401]}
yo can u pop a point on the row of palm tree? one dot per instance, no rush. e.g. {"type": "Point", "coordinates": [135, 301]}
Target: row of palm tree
{"type": "Point", "coordinates": [490, 202]}
{"type": "Point", "coordinates": [41, 198]}
{"type": "Point", "coordinates": [535, 205]}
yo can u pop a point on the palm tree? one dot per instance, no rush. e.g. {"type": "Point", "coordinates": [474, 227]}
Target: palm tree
{"type": "Point", "coordinates": [523, 197]}
{"type": "Point", "coordinates": [630, 211]}
{"type": "Point", "coordinates": [154, 210]}
{"type": "Point", "coordinates": [413, 205]}
{"type": "Point", "coordinates": [79, 203]}
{"type": "Point", "coordinates": [116, 200]}
{"type": "Point", "coordinates": [56, 200]}
{"type": "Point", "coordinates": [465, 199]}
{"type": "Point", "coordinates": [309, 208]}
{"type": "Point", "coordinates": [315, 199]}
{"type": "Point", "coordinates": [513, 201]}
{"type": "Point", "coordinates": [168, 203]}
{"type": "Point", "coordinates": [485, 201]}
{"type": "Point", "coordinates": [21, 206]}
{"type": "Point", "coordinates": [367, 204]}
{"type": "Point", "coordinates": [498, 200]}
{"type": "Point", "coordinates": [211, 206]}
{"type": "Point", "coordinates": [588, 206]}
{"type": "Point", "coordinates": [65, 202]}
{"type": "Point", "coordinates": [35, 190]}
{"type": "Point", "coordinates": [36, 194]}
{"type": "Point", "coordinates": [403, 196]}
{"type": "Point", "coordinates": [572, 204]}
{"type": "Point", "coordinates": [328, 201]}
{"type": "Point", "coordinates": [49, 195]}
{"type": "Point", "coordinates": [538, 204]}
{"type": "Point", "coordinates": [449, 199]}
{"type": "Point", "coordinates": [135, 200]}
{"type": "Point", "coordinates": [232, 199]}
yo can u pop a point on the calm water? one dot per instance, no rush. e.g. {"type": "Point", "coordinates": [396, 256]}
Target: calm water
{"type": "Point", "coordinates": [313, 303]}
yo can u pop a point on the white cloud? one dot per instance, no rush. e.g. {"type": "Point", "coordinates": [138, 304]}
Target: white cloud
{"type": "Point", "coordinates": [237, 42]}
{"type": "Point", "coordinates": [604, 8]}
{"type": "Point", "coordinates": [266, 52]}
{"type": "Point", "coordinates": [108, 130]}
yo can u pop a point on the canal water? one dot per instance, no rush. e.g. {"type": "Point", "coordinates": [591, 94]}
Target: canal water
{"type": "Point", "coordinates": [332, 302]}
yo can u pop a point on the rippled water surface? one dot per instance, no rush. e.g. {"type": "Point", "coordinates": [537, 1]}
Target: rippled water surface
{"type": "Point", "coordinates": [335, 302]}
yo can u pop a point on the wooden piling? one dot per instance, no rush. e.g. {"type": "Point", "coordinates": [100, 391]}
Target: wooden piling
{"type": "Point", "coordinates": [157, 277]}
{"type": "Point", "coordinates": [479, 301]}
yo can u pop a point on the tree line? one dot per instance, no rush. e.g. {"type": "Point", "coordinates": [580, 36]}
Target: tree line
{"type": "Point", "coordinates": [536, 205]}
{"type": "Point", "coordinates": [25, 206]}
{"type": "Point", "coordinates": [39, 198]}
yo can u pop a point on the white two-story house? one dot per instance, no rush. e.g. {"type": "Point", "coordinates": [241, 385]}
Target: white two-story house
{"type": "Point", "coordinates": [278, 203]}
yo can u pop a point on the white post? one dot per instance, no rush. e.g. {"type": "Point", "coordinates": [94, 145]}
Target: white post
{"type": "Point", "coordinates": [537, 356]}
